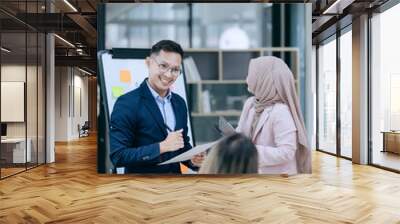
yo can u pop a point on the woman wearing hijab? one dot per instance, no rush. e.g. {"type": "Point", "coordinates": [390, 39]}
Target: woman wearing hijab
{"type": "Point", "coordinates": [272, 118]}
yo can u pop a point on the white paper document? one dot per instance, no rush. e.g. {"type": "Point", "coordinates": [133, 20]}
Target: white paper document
{"type": "Point", "coordinates": [189, 154]}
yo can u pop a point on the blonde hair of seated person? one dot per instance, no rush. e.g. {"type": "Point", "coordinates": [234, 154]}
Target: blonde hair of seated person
{"type": "Point", "coordinates": [235, 154]}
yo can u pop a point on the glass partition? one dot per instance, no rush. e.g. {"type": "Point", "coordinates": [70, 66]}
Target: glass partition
{"type": "Point", "coordinates": [15, 151]}
{"type": "Point", "coordinates": [22, 88]}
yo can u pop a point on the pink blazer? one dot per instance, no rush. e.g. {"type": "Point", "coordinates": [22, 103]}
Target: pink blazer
{"type": "Point", "coordinates": [275, 138]}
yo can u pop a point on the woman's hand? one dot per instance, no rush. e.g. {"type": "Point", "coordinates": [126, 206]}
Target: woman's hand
{"type": "Point", "coordinates": [198, 159]}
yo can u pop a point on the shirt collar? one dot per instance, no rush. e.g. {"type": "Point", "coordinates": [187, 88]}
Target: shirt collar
{"type": "Point", "coordinates": [157, 96]}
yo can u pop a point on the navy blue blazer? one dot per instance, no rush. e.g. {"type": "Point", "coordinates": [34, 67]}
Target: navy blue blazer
{"type": "Point", "coordinates": [136, 129]}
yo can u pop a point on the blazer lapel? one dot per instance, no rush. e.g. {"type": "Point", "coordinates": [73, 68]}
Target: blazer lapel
{"type": "Point", "coordinates": [264, 117]}
{"type": "Point", "coordinates": [152, 107]}
{"type": "Point", "coordinates": [178, 113]}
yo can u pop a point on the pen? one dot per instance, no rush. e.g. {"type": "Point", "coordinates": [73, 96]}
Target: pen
{"type": "Point", "coordinates": [218, 130]}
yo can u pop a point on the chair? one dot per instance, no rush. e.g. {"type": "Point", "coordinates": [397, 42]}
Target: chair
{"type": "Point", "coordinates": [84, 130]}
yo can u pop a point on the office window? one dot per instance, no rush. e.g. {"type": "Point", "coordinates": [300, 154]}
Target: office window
{"type": "Point", "coordinates": [228, 25]}
{"type": "Point", "coordinates": [142, 25]}
{"type": "Point", "coordinates": [346, 94]}
{"type": "Point", "coordinates": [327, 96]}
{"type": "Point", "coordinates": [385, 84]}
{"type": "Point", "coordinates": [213, 25]}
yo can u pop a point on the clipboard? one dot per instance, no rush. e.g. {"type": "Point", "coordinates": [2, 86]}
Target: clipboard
{"type": "Point", "coordinates": [224, 127]}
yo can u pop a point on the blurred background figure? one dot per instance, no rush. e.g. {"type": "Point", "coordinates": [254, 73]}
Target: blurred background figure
{"type": "Point", "coordinates": [234, 154]}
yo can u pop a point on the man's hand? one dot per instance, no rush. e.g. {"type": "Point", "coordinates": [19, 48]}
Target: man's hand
{"type": "Point", "coordinates": [198, 159]}
{"type": "Point", "coordinates": [173, 142]}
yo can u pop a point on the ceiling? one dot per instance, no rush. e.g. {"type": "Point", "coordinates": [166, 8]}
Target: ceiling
{"type": "Point", "coordinates": [329, 16]}
{"type": "Point", "coordinates": [77, 23]}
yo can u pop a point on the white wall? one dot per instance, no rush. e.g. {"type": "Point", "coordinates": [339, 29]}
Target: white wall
{"type": "Point", "coordinates": [71, 93]}
{"type": "Point", "coordinates": [79, 117]}
{"type": "Point", "coordinates": [61, 103]}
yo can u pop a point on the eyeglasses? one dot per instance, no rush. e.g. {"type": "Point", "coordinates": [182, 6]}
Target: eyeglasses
{"type": "Point", "coordinates": [164, 67]}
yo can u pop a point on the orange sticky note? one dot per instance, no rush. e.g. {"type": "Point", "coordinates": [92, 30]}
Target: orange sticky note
{"type": "Point", "coordinates": [184, 169]}
{"type": "Point", "coordinates": [125, 76]}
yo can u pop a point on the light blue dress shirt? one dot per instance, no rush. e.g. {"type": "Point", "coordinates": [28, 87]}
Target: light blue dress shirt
{"type": "Point", "coordinates": [165, 106]}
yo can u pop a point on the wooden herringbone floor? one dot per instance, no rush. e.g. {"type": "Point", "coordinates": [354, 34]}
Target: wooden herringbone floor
{"type": "Point", "coordinates": [70, 191]}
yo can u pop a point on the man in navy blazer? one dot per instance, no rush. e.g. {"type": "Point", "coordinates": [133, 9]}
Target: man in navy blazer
{"type": "Point", "coordinates": [149, 124]}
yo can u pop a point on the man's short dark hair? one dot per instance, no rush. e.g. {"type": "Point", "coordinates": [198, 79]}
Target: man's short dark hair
{"type": "Point", "coordinates": [167, 46]}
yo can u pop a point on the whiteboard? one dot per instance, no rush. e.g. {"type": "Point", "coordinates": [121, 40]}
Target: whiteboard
{"type": "Point", "coordinates": [124, 75]}
{"type": "Point", "coordinates": [12, 101]}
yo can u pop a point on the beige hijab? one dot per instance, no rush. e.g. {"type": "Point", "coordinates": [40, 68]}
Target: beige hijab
{"type": "Point", "coordinates": [271, 81]}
